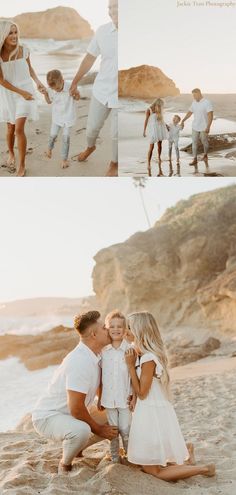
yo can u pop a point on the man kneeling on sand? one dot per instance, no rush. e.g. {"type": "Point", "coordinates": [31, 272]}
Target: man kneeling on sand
{"type": "Point", "coordinates": [105, 89]}
{"type": "Point", "coordinates": [64, 412]}
{"type": "Point", "coordinates": [202, 110]}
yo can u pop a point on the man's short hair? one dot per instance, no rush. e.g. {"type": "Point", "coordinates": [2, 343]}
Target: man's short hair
{"type": "Point", "coordinates": [85, 320]}
{"type": "Point", "coordinates": [196, 90]}
{"type": "Point", "coordinates": [115, 314]}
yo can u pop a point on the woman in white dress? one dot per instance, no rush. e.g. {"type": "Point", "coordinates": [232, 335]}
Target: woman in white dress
{"type": "Point", "coordinates": [17, 98]}
{"type": "Point", "coordinates": [155, 441]}
{"type": "Point", "coordinates": [157, 131]}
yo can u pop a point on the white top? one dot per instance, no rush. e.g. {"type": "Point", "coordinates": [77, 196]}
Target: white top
{"type": "Point", "coordinates": [116, 386]}
{"type": "Point", "coordinates": [79, 371]}
{"type": "Point", "coordinates": [63, 106]}
{"type": "Point", "coordinates": [105, 43]}
{"type": "Point", "coordinates": [174, 131]}
{"type": "Point", "coordinates": [200, 109]}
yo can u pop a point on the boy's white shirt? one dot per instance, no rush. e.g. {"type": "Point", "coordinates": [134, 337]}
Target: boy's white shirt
{"type": "Point", "coordinates": [116, 383]}
{"type": "Point", "coordinates": [174, 131]}
{"type": "Point", "coordinates": [63, 106]}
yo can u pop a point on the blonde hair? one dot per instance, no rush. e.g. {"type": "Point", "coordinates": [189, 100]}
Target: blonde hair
{"type": "Point", "coordinates": [148, 338]}
{"type": "Point", "coordinates": [115, 314]}
{"type": "Point", "coordinates": [5, 28]}
{"type": "Point", "coordinates": [159, 104]}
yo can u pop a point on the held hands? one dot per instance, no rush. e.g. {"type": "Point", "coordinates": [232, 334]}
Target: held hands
{"type": "Point", "coordinates": [130, 357]}
{"type": "Point", "coordinates": [41, 88]}
{"type": "Point", "coordinates": [181, 125]}
{"type": "Point", "coordinates": [132, 402]}
{"type": "Point", "coordinates": [207, 130]}
{"type": "Point", "coordinates": [73, 89]}
{"type": "Point", "coordinates": [76, 95]}
{"type": "Point", "coordinates": [26, 95]}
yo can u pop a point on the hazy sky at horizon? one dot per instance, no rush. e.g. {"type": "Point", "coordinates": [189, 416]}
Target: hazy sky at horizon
{"type": "Point", "coordinates": [51, 228]}
{"type": "Point", "coordinates": [94, 11]}
{"type": "Point", "coordinates": [194, 46]}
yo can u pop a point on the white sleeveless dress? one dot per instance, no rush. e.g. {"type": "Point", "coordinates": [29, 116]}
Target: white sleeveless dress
{"type": "Point", "coordinates": [157, 129]}
{"type": "Point", "coordinates": [12, 105]}
{"type": "Point", "coordinates": [155, 437]}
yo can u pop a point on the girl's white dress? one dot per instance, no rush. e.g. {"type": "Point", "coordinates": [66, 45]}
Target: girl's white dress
{"type": "Point", "coordinates": [12, 105]}
{"type": "Point", "coordinates": [155, 437]}
{"type": "Point", "coordinates": [157, 129]}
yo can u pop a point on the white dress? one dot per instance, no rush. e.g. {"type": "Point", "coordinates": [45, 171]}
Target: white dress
{"type": "Point", "coordinates": [12, 105]}
{"type": "Point", "coordinates": [157, 129]}
{"type": "Point", "coordinates": [155, 437]}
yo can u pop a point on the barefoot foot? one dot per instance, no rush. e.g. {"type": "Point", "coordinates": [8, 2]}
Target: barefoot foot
{"type": "Point", "coordinates": [211, 470]}
{"type": "Point", "coordinates": [193, 163]}
{"type": "Point", "coordinates": [21, 172]}
{"type": "Point", "coordinates": [48, 153]}
{"type": "Point", "coordinates": [85, 154]}
{"type": "Point", "coordinates": [112, 170]}
{"type": "Point", "coordinates": [191, 459]}
{"type": "Point", "coordinates": [64, 164]}
{"type": "Point", "coordinates": [63, 468]}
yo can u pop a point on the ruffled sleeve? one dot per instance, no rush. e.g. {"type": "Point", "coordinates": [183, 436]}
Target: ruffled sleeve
{"type": "Point", "coordinates": [149, 356]}
{"type": "Point", "coordinates": [26, 51]}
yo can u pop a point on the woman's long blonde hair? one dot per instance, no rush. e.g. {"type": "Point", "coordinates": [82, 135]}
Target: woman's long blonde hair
{"type": "Point", "coordinates": [148, 339]}
{"type": "Point", "coordinates": [158, 104]}
{"type": "Point", "coordinates": [5, 28]}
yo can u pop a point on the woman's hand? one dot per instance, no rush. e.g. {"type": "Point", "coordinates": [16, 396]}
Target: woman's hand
{"type": "Point", "coordinates": [26, 95]}
{"type": "Point", "coordinates": [144, 134]}
{"type": "Point", "coordinates": [130, 357]}
{"type": "Point", "coordinates": [132, 403]}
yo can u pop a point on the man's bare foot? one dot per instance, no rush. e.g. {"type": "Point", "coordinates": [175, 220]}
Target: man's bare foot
{"type": "Point", "coordinates": [21, 172]}
{"type": "Point", "coordinates": [112, 170]}
{"type": "Point", "coordinates": [85, 154]}
{"type": "Point", "coordinates": [64, 164]}
{"type": "Point", "coordinates": [211, 470]}
{"type": "Point", "coordinates": [205, 159]}
{"type": "Point", "coordinates": [79, 455]}
{"type": "Point", "coordinates": [48, 153]}
{"type": "Point", "coordinates": [191, 459]}
{"type": "Point", "coordinates": [63, 468]}
{"type": "Point", "coordinates": [193, 163]}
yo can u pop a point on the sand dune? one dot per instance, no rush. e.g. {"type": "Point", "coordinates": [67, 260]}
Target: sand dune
{"type": "Point", "coordinates": [205, 405]}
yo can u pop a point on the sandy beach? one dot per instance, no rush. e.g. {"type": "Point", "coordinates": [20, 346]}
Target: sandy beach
{"type": "Point", "coordinates": [205, 405]}
{"type": "Point", "coordinates": [133, 147]}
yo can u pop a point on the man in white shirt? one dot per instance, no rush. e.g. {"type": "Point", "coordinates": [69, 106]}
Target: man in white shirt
{"type": "Point", "coordinates": [105, 89]}
{"type": "Point", "coordinates": [202, 110]}
{"type": "Point", "coordinates": [63, 412]}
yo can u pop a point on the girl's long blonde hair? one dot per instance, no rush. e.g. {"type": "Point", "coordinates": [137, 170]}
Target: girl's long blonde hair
{"type": "Point", "coordinates": [157, 106]}
{"type": "Point", "coordinates": [148, 339]}
{"type": "Point", "coordinates": [5, 28]}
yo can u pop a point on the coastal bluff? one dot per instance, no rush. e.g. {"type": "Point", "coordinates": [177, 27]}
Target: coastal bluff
{"type": "Point", "coordinates": [60, 23]}
{"type": "Point", "coordinates": [183, 269]}
{"type": "Point", "coordinates": [145, 81]}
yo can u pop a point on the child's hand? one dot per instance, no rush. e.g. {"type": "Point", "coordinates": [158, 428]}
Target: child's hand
{"type": "Point", "coordinates": [76, 96]}
{"type": "Point", "coordinates": [26, 95]}
{"type": "Point", "coordinates": [130, 357]}
{"type": "Point", "coordinates": [41, 88]}
{"type": "Point", "coordinates": [132, 403]}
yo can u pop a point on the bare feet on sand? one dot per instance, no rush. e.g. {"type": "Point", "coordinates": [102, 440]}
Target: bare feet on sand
{"type": "Point", "coordinates": [112, 170]}
{"type": "Point", "coordinates": [211, 470]}
{"type": "Point", "coordinates": [193, 163]}
{"type": "Point", "coordinates": [11, 164]}
{"type": "Point", "coordinates": [48, 153]}
{"type": "Point", "coordinates": [21, 172]}
{"type": "Point", "coordinates": [85, 154]}
{"type": "Point", "coordinates": [191, 459]}
{"type": "Point", "coordinates": [63, 468]}
{"type": "Point", "coordinates": [64, 164]}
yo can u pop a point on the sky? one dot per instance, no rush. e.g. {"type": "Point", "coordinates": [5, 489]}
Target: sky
{"type": "Point", "coordinates": [94, 11]}
{"type": "Point", "coordinates": [194, 46]}
{"type": "Point", "coordinates": [52, 227]}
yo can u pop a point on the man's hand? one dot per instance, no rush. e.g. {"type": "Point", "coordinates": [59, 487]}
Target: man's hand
{"type": "Point", "coordinates": [76, 95]}
{"type": "Point", "coordinates": [207, 130]}
{"type": "Point", "coordinates": [107, 431]}
{"type": "Point", "coordinates": [73, 89]}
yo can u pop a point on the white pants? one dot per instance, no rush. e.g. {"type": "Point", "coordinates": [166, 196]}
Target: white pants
{"type": "Point", "coordinates": [122, 419]}
{"type": "Point", "coordinates": [204, 139]}
{"type": "Point", "coordinates": [98, 113]}
{"type": "Point", "coordinates": [74, 434]}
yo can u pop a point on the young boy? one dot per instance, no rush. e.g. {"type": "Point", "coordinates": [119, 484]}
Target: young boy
{"type": "Point", "coordinates": [63, 112]}
{"type": "Point", "coordinates": [174, 130]}
{"type": "Point", "coordinates": [115, 391]}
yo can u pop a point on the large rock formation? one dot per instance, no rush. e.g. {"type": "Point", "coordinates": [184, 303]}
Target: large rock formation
{"type": "Point", "coordinates": [145, 81]}
{"type": "Point", "coordinates": [183, 269]}
{"type": "Point", "coordinates": [60, 23]}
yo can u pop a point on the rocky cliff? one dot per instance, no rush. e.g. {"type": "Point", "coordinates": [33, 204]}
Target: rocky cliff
{"type": "Point", "coordinates": [183, 269]}
{"type": "Point", "coordinates": [60, 23]}
{"type": "Point", "coordinates": [145, 81]}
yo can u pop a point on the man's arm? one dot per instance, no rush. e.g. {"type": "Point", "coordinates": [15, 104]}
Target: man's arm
{"type": "Point", "coordinates": [85, 66]}
{"type": "Point", "coordinates": [77, 408]}
{"type": "Point", "coordinates": [210, 120]}
{"type": "Point", "coordinates": [187, 116]}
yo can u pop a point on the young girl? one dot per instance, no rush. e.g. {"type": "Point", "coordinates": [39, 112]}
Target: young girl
{"type": "Point", "coordinates": [155, 438]}
{"type": "Point", "coordinates": [17, 100]}
{"type": "Point", "coordinates": [115, 390]}
{"type": "Point", "coordinates": [157, 131]}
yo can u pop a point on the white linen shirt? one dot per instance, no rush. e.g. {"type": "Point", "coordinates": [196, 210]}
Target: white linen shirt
{"type": "Point", "coordinates": [79, 371]}
{"type": "Point", "coordinates": [200, 109]}
{"type": "Point", "coordinates": [116, 384]}
{"type": "Point", "coordinates": [105, 43]}
{"type": "Point", "coordinates": [63, 106]}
